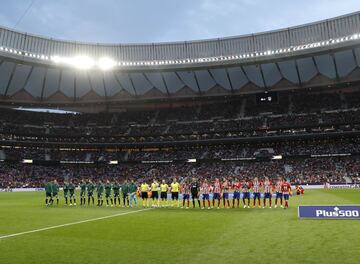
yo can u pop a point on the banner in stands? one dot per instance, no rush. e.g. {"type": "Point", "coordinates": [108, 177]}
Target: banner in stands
{"type": "Point", "coordinates": [329, 212]}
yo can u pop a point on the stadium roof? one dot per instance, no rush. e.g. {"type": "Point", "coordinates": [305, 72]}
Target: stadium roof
{"type": "Point", "coordinates": [39, 70]}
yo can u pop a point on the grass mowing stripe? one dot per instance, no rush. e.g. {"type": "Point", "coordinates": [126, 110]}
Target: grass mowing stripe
{"type": "Point", "coordinates": [73, 223]}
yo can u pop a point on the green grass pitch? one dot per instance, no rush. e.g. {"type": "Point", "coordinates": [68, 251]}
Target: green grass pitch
{"type": "Point", "coordinates": [176, 235]}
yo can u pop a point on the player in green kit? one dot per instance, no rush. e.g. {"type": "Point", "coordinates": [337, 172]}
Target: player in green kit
{"type": "Point", "coordinates": [90, 192]}
{"type": "Point", "coordinates": [100, 193]}
{"type": "Point", "coordinates": [72, 193]}
{"type": "Point", "coordinates": [82, 192]}
{"type": "Point", "coordinates": [108, 187]}
{"type": "Point", "coordinates": [132, 193]}
{"type": "Point", "coordinates": [66, 192]}
{"type": "Point", "coordinates": [55, 192]}
{"type": "Point", "coordinates": [48, 193]}
{"type": "Point", "coordinates": [116, 192]}
{"type": "Point", "coordinates": [125, 193]}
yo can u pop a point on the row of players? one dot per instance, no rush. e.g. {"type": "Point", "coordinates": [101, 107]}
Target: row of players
{"type": "Point", "coordinates": [189, 188]}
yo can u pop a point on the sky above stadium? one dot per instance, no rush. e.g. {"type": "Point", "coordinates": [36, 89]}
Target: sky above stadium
{"type": "Point", "coordinates": [134, 21]}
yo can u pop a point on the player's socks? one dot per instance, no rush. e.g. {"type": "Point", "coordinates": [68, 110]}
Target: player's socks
{"type": "Point", "coordinates": [228, 203]}
{"type": "Point", "coordinates": [66, 201]}
{"type": "Point", "coordinates": [203, 203]}
{"type": "Point", "coordinates": [46, 201]}
{"type": "Point", "coordinates": [213, 202]}
{"type": "Point", "coordinates": [218, 203]}
{"type": "Point", "coordinates": [199, 203]}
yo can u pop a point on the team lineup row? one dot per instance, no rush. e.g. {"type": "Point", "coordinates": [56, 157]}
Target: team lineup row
{"type": "Point", "coordinates": [189, 189]}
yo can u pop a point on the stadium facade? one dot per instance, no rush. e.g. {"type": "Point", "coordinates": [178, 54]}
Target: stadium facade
{"type": "Point", "coordinates": [43, 72]}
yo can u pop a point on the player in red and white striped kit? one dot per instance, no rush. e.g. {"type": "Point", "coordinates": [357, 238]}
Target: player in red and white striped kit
{"type": "Point", "coordinates": [205, 191]}
{"type": "Point", "coordinates": [279, 194]}
{"type": "Point", "coordinates": [267, 191]}
{"type": "Point", "coordinates": [185, 190]}
{"type": "Point", "coordinates": [217, 188]}
{"type": "Point", "coordinates": [256, 186]}
{"type": "Point", "coordinates": [226, 186]}
{"type": "Point", "coordinates": [236, 195]}
{"type": "Point", "coordinates": [286, 190]}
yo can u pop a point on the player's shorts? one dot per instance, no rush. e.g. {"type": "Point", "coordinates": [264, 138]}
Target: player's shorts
{"type": "Point", "coordinates": [100, 195]}
{"type": "Point", "coordinates": [279, 195]}
{"type": "Point", "coordinates": [116, 195]}
{"type": "Point", "coordinates": [216, 196]}
{"type": "Point", "coordinates": [186, 196]}
{"type": "Point", "coordinates": [107, 195]}
{"type": "Point", "coordinates": [246, 195]}
{"type": "Point", "coordinates": [144, 195]}
{"type": "Point", "coordinates": [154, 195]}
{"type": "Point", "coordinates": [90, 194]}
{"type": "Point", "coordinates": [82, 194]}
{"type": "Point", "coordinates": [48, 194]}
{"type": "Point", "coordinates": [71, 195]}
{"type": "Point", "coordinates": [256, 195]}
{"type": "Point", "coordinates": [236, 195]}
{"type": "Point", "coordinates": [56, 195]}
{"type": "Point", "coordinates": [225, 195]}
{"type": "Point", "coordinates": [175, 195]}
{"type": "Point", "coordinates": [66, 195]}
{"type": "Point", "coordinates": [194, 196]}
{"type": "Point", "coordinates": [163, 195]}
{"type": "Point", "coordinates": [286, 196]}
{"type": "Point", "coordinates": [267, 195]}
{"type": "Point", "coordinates": [206, 196]}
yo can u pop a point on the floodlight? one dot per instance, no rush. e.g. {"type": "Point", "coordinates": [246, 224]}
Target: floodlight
{"type": "Point", "coordinates": [106, 63]}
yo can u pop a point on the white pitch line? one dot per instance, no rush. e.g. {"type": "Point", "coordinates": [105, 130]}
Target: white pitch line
{"type": "Point", "coordinates": [73, 223]}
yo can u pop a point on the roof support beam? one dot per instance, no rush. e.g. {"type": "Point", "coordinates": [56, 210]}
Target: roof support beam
{"type": "Point", "coordinates": [229, 80]}
{"type": "Point", "coordinates": [197, 82]}
{"type": "Point", "coordinates": [335, 65]}
{"type": "Point", "coordinates": [298, 73]}
{"type": "Point", "coordinates": [132, 83]}
{"type": "Point", "coordinates": [165, 84]}
{"type": "Point", "coordinates": [43, 84]}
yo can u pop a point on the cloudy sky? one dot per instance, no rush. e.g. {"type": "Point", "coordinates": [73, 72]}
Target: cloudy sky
{"type": "Point", "coordinates": [129, 21]}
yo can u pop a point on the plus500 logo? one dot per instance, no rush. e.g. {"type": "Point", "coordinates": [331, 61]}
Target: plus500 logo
{"type": "Point", "coordinates": [337, 213]}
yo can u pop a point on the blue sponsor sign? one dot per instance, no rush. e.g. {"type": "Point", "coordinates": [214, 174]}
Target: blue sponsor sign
{"type": "Point", "coordinates": [329, 212]}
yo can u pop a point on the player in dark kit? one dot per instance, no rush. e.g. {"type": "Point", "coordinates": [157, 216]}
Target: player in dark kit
{"type": "Point", "coordinates": [72, 193]}
{"type": "Point", "coordinates": [100, 193]}
{"type": "Point", "coordinates": [195, 192]}
{"type": "Point", "coordinates": [90, 192]}
{"type": "Point", "coordinates": [116, 192]}
{"type": "Point", "coordinates": [66, 192]}
{"type": "Point", "coordinates": [48, 191]}
{"type": "Point", "coordinates": [108, 187]}
{"type": "Point", "coordinates": [55, 192]}
{"type": "Point", "coordinates": [125, 193]}
{"type": "Point", "coordinates": [82, 192]}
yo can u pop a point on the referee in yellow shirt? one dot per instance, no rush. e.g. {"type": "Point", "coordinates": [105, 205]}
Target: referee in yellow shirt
{"type": "Point", "coordinates": [175, 188]}
{"type": "Point", "coordinates": [144, 187]}
{"type": "Point", "coordinates": [163, 195]}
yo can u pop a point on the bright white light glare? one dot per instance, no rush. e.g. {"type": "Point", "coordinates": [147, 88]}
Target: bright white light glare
{"type": "Point", "coordinates": [113, 162]}
{"type": "Point", "coordinates": [27, 161]}
{"type": "Point", "coordinates": [277, 157]}
{"type": "Point", "coordinates": [191, 160]}
{"type": "Point", "coordinates": [106, 63]}
{"type": "Point", "coordinates": [82, 62]}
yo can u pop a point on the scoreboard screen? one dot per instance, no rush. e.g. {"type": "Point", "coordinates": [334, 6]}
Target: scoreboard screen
{"type": "Point", "coordinates": [267, 98]}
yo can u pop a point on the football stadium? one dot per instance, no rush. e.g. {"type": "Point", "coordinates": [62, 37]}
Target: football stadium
{"type": "Point", "coordinates": [224, 150]}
